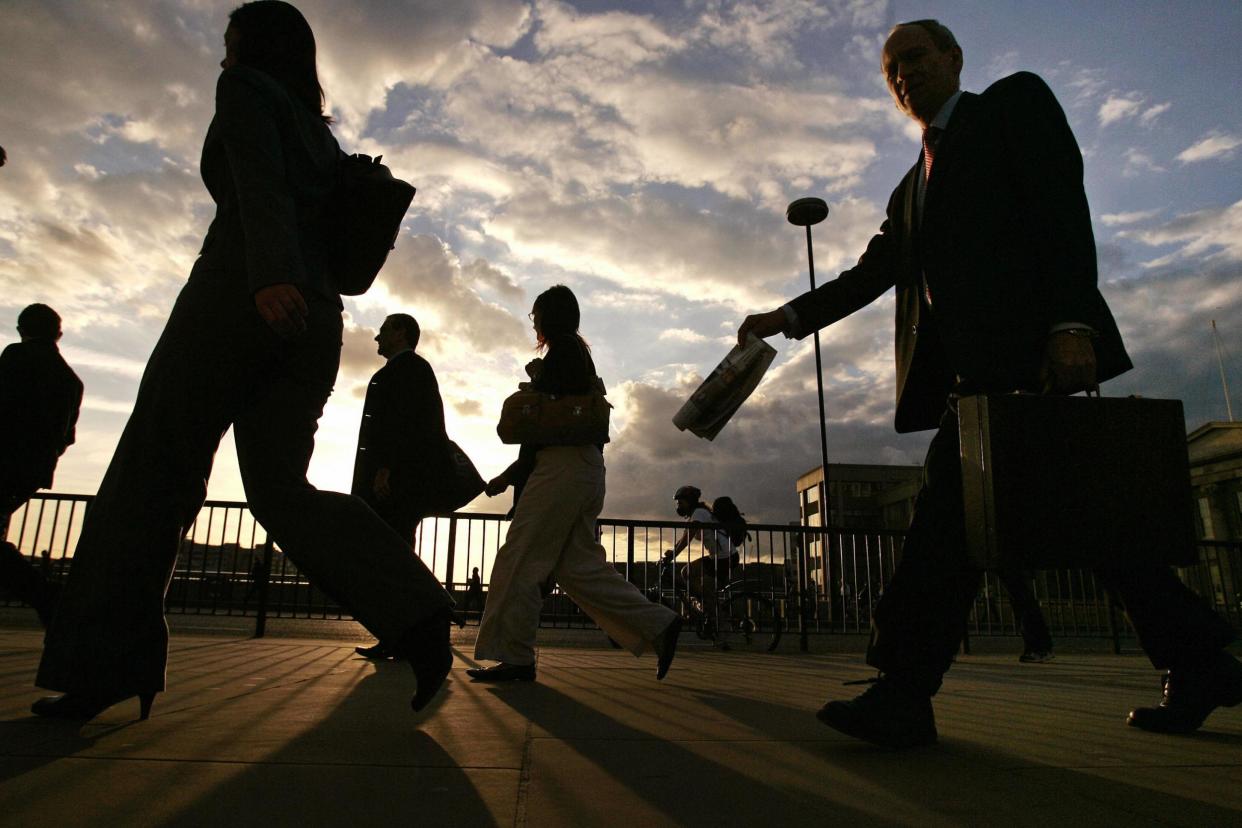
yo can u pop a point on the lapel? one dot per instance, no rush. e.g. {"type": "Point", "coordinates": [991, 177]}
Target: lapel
{"type": "Point", "coordinates": [946, 150]}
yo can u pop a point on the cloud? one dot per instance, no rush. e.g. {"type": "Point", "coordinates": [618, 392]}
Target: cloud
{"type": "Point", "coordinates": [1116, 109]}
{"type": "Point", "coordinates": [1213, 146]}
{"type": "Point", "coordinates": [1211, 234]}
{"type": "Point", "coordinates": [1138, 163]}
{"type": "Point", "coordinates": [1115, 219]}
{"type": "Point", "coordinates": [1153, 112]}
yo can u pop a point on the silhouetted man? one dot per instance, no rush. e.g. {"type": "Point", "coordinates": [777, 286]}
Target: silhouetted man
{"type": "Point", "coordinates": [40, 396]}
{"type": "Point", "coordinates": [988, 241]}
{"type": "Point", "coordinates": [403, 452]}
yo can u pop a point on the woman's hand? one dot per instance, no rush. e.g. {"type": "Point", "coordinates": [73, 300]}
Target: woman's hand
{"type": "Point", "coordinates": [283, 308]}
{"type": "Point", "coordinates": [496, 485]}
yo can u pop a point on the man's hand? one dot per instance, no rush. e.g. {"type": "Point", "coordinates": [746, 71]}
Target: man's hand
{"type": "Point", "coordinates": [761, 325]}
{"type": "Point", "coordinates": [496, 485]}
{"type": "Point", "coordinates": [1069, 364]}
{"type": "Point", "coordinates": [283, 308]}
{"type": "Point", "coordinates": [381, 486]}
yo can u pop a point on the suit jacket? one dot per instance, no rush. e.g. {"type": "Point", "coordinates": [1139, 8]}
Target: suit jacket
{"type": "Point", "coordinates": [1006, 247]}
{"type": "Point", "coordinates": [40, 397]}
{"type": "Point", "coordinates": [269, 162]}
{"type": "Point", "coordinates": [403, 430]}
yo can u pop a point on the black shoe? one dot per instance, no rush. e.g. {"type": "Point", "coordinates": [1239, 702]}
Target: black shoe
{"type": "Point", "coordinates": [666, 647]}
{"type": "Point", "coordinates": [503, 672]}
{"type": "Point", "coordinates": [379, 652]}
{"type": "Point", "coordinates": [427, 649]}
{"type": "Point", "coordinates": [886, 714]}
{"type": "Point", "coordinates": [1190, 695]}
{"type": "Point", "coordinates": [82, 707]}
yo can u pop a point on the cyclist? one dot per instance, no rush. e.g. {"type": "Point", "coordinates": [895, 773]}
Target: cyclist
{"type": "Point", "coordinates": [720, 546]}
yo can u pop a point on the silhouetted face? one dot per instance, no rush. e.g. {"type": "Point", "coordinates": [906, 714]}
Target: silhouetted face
{"type": "Point", "coordinates": [685, 506]}
{"type": "Point", "coordinates": [920, 75]}
{"type": "Point", "coordinates": [232, 40]}
{"type": "Point", "coordinates": [392, 339]}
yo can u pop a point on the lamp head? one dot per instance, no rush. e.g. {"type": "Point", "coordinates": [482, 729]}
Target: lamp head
{"type": "Point", "coordinates": [806, 211]}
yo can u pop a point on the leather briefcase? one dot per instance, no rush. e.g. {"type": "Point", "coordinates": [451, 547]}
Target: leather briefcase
{"type": "Point", "coordinates": [1075, 482]}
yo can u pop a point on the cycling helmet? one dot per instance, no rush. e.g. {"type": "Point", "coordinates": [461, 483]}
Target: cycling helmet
{"type": "Point", "coordinates": [688, 493]}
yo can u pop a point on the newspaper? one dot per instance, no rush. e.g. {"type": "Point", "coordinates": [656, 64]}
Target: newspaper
{"type": "Point", "coordinates": [723, 393]}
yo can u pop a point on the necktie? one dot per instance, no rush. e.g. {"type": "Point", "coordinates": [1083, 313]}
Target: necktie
{"type": "Point", "coordinates": [931, 137]}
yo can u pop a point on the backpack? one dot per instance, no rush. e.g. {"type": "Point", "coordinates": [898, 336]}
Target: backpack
{"type": "Point", "coordinates": [362, 219]}
{"type": "Point", "coordinates": [725, 512]}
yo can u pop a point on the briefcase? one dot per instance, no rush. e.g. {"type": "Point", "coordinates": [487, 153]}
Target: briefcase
{"type": "Point", "coordinates": [1075, 482]}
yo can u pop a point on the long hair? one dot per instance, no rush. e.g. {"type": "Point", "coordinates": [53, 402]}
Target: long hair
{"type": "Point", "coordinates": [726, 513]}
{"type": "Point", "coordinates": [276, 39]}
{"type": "Point", "coordinates": [557, 309]}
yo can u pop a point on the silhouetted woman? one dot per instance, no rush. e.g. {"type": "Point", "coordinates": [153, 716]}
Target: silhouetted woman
{"type": "Point", "coordinates": [253, 342]}
{"type": "Point", "coordinates": [561, 493]}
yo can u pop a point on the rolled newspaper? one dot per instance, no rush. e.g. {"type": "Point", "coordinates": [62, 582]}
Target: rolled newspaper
{"type": "Point", "coordinates": [725, 389]}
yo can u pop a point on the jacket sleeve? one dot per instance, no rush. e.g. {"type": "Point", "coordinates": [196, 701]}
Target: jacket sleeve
{"type": "Point", "coordinates": [1048, 172]}
{"type": "Point", "coordinates": [857, 287]}
{"type": "Point", "coordinates": [248, 118]}
{"type": "Point", "coordinates": [408, 428]}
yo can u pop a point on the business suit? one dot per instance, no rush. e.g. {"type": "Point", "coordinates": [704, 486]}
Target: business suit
{"type": "Point", "coordinates": [268, 162]}
{"type": "Point", "coordinates": [40, 397]}
{"type": "Point", "coordinates": [1001, 254]}
{"type": "Point", "coordinates": [402, 430]}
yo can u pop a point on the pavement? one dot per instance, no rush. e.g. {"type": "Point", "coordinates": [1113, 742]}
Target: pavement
{"type": "Point", "coordinates": [299, 731]}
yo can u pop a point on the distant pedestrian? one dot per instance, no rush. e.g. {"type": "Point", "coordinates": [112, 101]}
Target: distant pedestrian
{"type": "Point", "coordinates": [40, 397]}
{"type": "Point", "coordinates": [474, 592]}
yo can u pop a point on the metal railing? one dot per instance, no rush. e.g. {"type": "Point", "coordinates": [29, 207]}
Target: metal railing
{"type": "Point", "coordinates": [228, 566]}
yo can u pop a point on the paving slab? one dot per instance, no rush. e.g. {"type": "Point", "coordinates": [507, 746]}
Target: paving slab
{"type": "Point", "coordinates": [288, 731]}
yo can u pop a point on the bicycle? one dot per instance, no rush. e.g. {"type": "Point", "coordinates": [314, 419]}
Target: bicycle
{"type": "Point", "coordinates": [741, 605]}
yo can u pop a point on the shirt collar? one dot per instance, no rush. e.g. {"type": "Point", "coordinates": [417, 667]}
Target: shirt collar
{"type": "Point", "coordinates": [941, 121]}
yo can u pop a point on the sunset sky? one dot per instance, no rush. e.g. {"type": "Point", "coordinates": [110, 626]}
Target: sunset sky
{"type": "Point", "coordinates": [642, 153]}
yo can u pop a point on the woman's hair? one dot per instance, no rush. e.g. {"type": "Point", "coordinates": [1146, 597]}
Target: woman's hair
{"type": "Point", "coordinates": [557, 309]}
{"type": "Point", "coordinates": [276, 39]}
{"type": "Point", "coordinates": [726, 513]}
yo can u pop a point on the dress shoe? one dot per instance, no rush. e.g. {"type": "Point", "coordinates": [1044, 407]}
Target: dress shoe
{"type": "Point", "coordinates": [427, 649]}
{"type": "Point", "coordinates": [379, 652]}
{"type": "Point", "coordinates": [83, 707]}
{"type": "Point", "coordinates": [1190, 695]}
{"type": "Point", "coordinates": [665, 647]}
{"type": "Point", "coordinates": [887, 714]}
{"type": "Point", "coordinates": [503, 672]}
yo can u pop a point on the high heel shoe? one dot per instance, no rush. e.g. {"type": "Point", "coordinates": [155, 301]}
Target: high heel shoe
{"type": "Point", "coordinates": [427, 649]}
{"type": "Point", "coordinates": [83, 707]}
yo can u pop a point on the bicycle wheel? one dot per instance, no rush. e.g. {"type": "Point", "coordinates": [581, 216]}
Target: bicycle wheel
{"type": "Point", "coordinates": [757, 617]}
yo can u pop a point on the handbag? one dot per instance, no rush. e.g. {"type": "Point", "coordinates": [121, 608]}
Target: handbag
{"type": "Point", "coordinates": [1075, 482]}
{"type": "Point", "coordinates": [554, 419]}
{"type": "Point", "coordinates": [361, 221]}
{"type": "Point", "coordinates": [463, 484]}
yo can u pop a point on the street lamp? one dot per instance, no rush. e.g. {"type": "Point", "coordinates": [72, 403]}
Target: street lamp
{"type": "Point", "coordinates": [803, 213]}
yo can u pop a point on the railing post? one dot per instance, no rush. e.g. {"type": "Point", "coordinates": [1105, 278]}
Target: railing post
{"type": "Point", "coordinates": [804, 590]}
{"type": "Point", "coordinates": [265, 577]}
{"type": "Point", "coordinates": [451, 554]}
{"type": "Point", "coordinates": [629, 553]}
{"type": "Point", "coordinates": [1113, 631]}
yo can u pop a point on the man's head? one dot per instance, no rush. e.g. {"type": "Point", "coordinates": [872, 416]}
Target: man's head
{"type": "Point", "coordinates": [922, 64]}
{"type": "Point", "coordinates": [687, 499]}
{"type": "Point", "coordinates": [399, 331]}
{"type": "Point", "coordinates": [38, 323]}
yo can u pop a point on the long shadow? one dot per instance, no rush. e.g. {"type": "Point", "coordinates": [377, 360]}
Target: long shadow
{"type": "Point", "coordinates": [364, 761]}
{"type": "Point", "coordinates": [684, 786]}
{"type": "Point", "coordinates": [960, 780]}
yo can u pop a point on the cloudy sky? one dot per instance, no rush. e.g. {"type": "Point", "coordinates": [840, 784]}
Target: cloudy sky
{"type": "Point", "coordinates": [642, 153]}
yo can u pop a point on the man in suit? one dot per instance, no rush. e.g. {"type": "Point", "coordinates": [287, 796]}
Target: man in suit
{"type": "Point", "coordinates": [988, 242]}
{"type": "Point", "coordinates": [403, 454]}
{"type": "Point", "coordinates": [40, 396]}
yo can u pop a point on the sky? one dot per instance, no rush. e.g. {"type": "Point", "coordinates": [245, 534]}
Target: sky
{"type": "Point", "coordinates": [642, 153]}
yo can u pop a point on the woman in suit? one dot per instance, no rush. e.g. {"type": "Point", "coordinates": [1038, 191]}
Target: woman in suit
{"type": "Point", "coordinates": [253, 342]}
{"type": "Point", "coordinates": [559, 495]}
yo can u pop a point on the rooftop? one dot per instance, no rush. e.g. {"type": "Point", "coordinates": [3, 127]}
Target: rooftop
{"type": "Point", "coordinates": [300, 731]}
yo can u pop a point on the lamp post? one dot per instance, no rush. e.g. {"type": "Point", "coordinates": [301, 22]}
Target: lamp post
{"type": "Point", "coordinates": [803, 213]}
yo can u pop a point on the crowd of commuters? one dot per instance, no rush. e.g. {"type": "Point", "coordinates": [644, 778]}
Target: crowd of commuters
{"type": "Point", "coordinates": [987, 241]}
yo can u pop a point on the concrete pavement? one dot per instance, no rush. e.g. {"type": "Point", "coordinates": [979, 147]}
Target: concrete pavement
{"type": "Point", "coordinates": [284, 731]}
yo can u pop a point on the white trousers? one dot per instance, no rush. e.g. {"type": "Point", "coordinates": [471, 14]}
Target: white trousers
{"type": "Point", "coordinates": [553, 533]}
